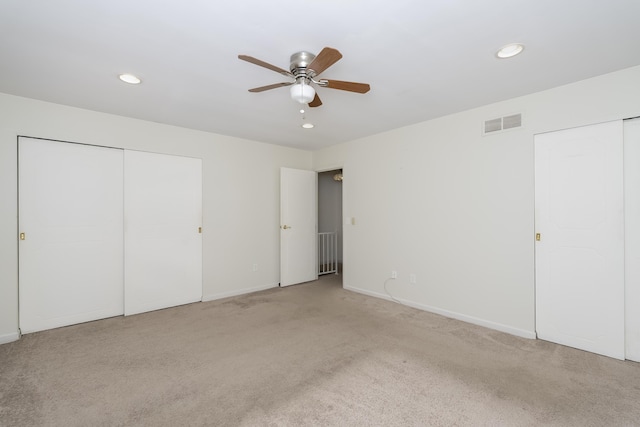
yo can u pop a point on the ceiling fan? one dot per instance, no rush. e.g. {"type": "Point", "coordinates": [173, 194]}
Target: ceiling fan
{"type": "Point", "coordinates": [304, 69]}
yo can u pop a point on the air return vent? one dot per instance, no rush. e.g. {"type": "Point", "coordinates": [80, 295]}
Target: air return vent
{"type": "Point", "coordinates": [502, 123]}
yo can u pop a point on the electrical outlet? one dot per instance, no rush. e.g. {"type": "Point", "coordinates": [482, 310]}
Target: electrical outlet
{"type": "Point", "coordinates": [412, 279]}
{"type": "Point", "coordinates": [394, 274]}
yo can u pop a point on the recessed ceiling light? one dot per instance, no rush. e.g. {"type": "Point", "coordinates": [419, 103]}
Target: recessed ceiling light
{"type": "Point", "coordinates": [302, 111]}
{"type": "Point", "coordinates": [308, 125]}
{"type": "Point", "coordinates": [510, 50]}
{"type": "Point", "coordinates": [130, 78]}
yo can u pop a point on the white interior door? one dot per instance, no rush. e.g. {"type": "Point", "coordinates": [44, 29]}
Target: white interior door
{"type": "Point", "coordinates": [632, 237]}
{"type": "Point", "coordinates": [580, 256]}
{"type": "Point", "coordinates": [163, 243]}
{"type": "Point", "coordinates": [70, 261]}
{"type": "Point", "coordinates": [298, 226]}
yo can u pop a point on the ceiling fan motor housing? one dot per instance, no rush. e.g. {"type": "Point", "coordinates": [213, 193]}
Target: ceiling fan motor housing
{"type": "Point", "coordinates": [299, 63]}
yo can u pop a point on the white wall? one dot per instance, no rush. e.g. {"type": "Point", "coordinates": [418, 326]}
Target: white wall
{"type": "Point", "coordinates": [330, 206]}
{"type": "Point", "coordinates": [240, 192]}
{"type": "Point", "coordinates": [450, 206]}
{"type": "Point", "coordinates": [457, 209]}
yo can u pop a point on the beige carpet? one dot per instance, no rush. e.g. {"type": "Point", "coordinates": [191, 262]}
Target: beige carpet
{"type": "Point", "coordinates": [312, 354]}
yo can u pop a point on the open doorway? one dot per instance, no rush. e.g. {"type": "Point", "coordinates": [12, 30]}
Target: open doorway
{"type": "Point", "coordinates": [330, 222]}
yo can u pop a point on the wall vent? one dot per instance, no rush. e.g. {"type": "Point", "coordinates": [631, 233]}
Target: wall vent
{"type": "Point", "coordinates": [502, 123]}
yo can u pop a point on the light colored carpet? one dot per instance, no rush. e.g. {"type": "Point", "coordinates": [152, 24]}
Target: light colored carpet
{"type": "Point", "coordinates": [312, 354]}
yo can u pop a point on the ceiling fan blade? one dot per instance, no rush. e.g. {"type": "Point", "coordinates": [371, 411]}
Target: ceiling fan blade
{"type": "Point", "coordinates": [350, 86]}
{"type": "Point", "coordinates": [268, 87]}
{"type": "Point", "coordinates": [316, 101]}
{"type": "Point", "coordinates": [265, 65]}
{"type": "Point", "coordinates": [325, 59]}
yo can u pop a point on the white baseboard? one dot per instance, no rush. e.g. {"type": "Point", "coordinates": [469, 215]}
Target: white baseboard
{"type": "Point", "coordinates": [451, 314]}
{"type": "Point", "coordinates": [221, 295]}
{"type": "Point", "coordinates": [4, 339]}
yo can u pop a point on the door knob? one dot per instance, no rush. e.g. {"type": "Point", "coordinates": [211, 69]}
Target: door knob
{"type": "Point", "coordinates": [285, 227]}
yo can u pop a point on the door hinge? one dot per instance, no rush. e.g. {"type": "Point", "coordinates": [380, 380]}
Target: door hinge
{"type": "Point", "coordinates": [538, 236]}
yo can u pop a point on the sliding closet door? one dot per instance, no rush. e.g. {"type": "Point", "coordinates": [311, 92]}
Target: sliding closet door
{"type": "Point", "coordinates": [580, 252]}
{"type": "Point", "coordinates": [163, 244]}
{"type": "Point", "coordinates": [70, 255]}
{"type": "Point", "coordinates": [632, 238]}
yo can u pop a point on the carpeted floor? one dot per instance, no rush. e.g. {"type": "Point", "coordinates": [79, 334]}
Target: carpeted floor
{"type": "Point", "coordinates": [312, 354]}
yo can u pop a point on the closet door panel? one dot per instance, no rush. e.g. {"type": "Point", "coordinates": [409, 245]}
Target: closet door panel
{"type": "Point", "coordinates": [163, 244]}
{"type": "Point", "coordinates": [632, 238]}
{"type": "Point", "coordinates": [70, 261]}
{"type": "Point", "coordinates": [580, 253]}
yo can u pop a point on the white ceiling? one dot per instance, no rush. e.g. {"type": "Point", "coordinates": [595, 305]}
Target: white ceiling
{"type": "Point", "coordinates": [423, 59]}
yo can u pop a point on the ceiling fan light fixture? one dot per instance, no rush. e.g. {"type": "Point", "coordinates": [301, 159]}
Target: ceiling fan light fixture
{"type": "Point", "coordinates": [303, 93]}
{"type": "Point", "coordinates": [510, 50]}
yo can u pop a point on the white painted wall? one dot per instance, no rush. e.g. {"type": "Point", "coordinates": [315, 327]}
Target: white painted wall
{"type": "Point", "coordinates": [330, 206]}
{"type": "Point", "coordinates": [240, 192]}
{"type": "Point", "coordinates": [456, 209]}
{"type": "Point", "coordinates": [434, 199]}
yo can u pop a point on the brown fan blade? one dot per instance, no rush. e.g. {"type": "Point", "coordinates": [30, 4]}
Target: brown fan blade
{"type": "Point", "coordinates": [316, 101]}
{"type": "Point", "coordinates": [325, 59]}
{"type": "Point", "coordinates": [350, 86]}
{"type": "Point", "coordinates": [268, 87]}
{"type": "Point", "coordinates": [265, 65]}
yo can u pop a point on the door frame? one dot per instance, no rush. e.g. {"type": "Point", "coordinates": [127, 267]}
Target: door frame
{"type": "Point", "coordinates": [345, 224]}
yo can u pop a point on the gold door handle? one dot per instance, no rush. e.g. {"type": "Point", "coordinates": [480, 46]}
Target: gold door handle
{"type": "Point", "coordinates": [286, 227]}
